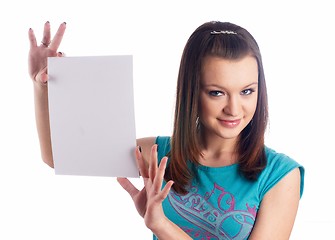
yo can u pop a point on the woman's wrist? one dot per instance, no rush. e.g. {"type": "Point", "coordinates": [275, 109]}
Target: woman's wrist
{"type": "Point", "coordinates": [157, 226]}
{"type": "Point", "coordinates": [40, 92]}
{"type": "Point", "coordinates": [167, 230]}
{"type": "Point", "coordinates": [40, 86]}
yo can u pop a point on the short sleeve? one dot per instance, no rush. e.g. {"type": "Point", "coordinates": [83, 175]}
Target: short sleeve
{"type": "Point", "coordinates": [164, 146]}
{"type": "Point", "coordinates": [278, 166]}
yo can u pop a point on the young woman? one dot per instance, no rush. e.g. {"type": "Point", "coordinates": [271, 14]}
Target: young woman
{"type": "Point", "coordinates": [214, 178]}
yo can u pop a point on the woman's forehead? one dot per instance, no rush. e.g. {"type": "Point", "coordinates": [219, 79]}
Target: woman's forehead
{"type": "Point", "coordinates": [220, 71]}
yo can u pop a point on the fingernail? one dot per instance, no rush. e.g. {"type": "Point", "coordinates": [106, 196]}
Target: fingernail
{"type": "Point", "coordinates": [64, 23]}
{"type": "Point", "coordinates": [139, 148]}
{"type": "Point", "coordinates": [47, 22]}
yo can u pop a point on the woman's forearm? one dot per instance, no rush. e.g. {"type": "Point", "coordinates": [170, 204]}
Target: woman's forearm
{"type": "Point", "coordinates": [42, 122]}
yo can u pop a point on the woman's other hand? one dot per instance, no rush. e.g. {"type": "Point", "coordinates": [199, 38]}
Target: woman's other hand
{"type": "Point", "coordinates": [148, 201]}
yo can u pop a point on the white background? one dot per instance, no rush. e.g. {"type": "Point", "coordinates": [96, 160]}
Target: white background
{"type": "Point", "coordinates": [297, 43]}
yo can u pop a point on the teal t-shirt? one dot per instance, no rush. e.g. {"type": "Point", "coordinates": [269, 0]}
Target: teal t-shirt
{"type": "Point", "coordinates": [221, 203]}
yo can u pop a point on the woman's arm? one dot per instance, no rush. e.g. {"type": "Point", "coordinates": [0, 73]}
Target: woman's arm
{"type": "Point", "coordinates": [37, 65]}
{"type": "Point", "coordinates": [42, 122]}
{"type": "Point", "coordinates": [278, 209]}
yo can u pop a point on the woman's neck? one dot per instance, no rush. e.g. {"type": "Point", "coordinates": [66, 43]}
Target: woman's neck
{"type": "Point", "coordinates": [217, 151]}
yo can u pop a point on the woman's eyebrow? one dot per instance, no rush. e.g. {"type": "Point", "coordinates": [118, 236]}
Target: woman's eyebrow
{"type": "Point", "coordinates": [249, 85]}
{"type": "Point", "coordinates": [221, 87]}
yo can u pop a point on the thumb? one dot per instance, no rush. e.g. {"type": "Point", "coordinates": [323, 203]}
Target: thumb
{"type": "Point", "coordinates": [128, 186]}
{"type": "Point", "coordinates": [42, 77]}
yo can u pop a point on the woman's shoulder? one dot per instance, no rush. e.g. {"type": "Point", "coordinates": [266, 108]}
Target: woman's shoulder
{"type": "Point", "coordinates": [275, 158]}
{"type": "Point", "coordinates": [146, 144]}
{"type": "Point", "coordinates": [163, 140]}
{"type": "Point", "coordinates": [164, 145]}
{"type": "Point", "coordinates": [278, 166]}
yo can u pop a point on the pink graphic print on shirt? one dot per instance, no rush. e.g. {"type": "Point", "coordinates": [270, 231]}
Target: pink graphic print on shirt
{"type": "Point", "coordinates": [214, 215]}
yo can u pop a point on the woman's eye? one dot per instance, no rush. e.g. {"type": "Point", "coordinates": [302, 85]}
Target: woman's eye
{"type": "Point", "coordinates": [215, 93]}
{"type": "Point", "coordinates": [247, 91]}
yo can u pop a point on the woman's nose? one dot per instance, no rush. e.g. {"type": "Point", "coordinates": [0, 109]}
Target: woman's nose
{"type": "Point", "coordinates": [233, 107]}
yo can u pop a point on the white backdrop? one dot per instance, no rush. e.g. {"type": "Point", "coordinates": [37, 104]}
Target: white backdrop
{"type": "Point", "coordinates": [297, 42]}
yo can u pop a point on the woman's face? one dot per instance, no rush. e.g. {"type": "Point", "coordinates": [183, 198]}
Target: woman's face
{"type": "Point", "coordinates": [228, 95]}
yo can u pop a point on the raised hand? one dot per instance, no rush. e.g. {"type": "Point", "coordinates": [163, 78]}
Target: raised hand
{"type": "Point", "coordinates": [39, 53]}
{"type": "Point", "coordinates": [148, 201]}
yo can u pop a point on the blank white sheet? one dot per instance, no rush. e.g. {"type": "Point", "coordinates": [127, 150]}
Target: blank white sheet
{"type": "Point", "coordinates": [92, 120]}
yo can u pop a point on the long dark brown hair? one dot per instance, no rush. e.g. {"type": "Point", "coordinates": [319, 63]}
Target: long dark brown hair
{"type": "Point", "coordinates": [234, 42]}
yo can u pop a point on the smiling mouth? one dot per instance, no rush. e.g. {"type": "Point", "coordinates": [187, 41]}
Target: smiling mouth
{"type": "Point", "coordinates": [230, 123]}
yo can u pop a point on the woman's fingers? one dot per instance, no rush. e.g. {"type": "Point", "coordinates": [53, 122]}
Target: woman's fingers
{"type": "Point", "coordinates": [128, 186]}
{"type": "Point", "coordinates": [153, 163]}
{"type": "Point", "coordinates": [166, 190]}
{"type": "Point", "coordinates": [140, 163]}
{"type": "Point", "coordinates": [154, 176]}
{"type": "Point", "coordinates": [38, 54]}
{"type": "Point", "coordinates": [58, 37]}
{"type": "Point", "coordinates": [159, 176]}
{"type": "Point", "coordinates": [42, 76]}
{"type": "Point", "coordinates": [46, 35]}
{"type": "Point", "coordinates": [60, 54]}
{"type": "Point", "coordinates": [32, 38]}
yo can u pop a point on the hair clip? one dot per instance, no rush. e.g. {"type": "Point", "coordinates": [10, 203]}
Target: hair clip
{"type": "Point", "coordinates": [223, 32]}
